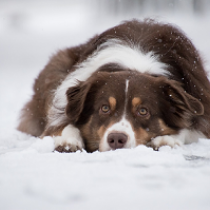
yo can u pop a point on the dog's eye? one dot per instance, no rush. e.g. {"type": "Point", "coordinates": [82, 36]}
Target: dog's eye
{"type": "Point", "coordinates": [105, 109]}
{"type": "Point", "coordinates": [142, 112]}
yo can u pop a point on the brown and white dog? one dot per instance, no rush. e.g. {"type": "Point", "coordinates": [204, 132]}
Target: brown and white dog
{"type": "Point", "coordinates": [136, 83]}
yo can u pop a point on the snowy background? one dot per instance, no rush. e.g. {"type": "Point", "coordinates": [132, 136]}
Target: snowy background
{"type": "Point", "coordinates": [31, 175]}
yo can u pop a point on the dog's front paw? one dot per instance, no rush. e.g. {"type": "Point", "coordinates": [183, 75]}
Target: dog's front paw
{"type": "Point", "coordinates": [166, 140]}
{"type": "Point", "coordinates": [68, 145]}
{"type": "Point", "coordinates": [69, 141]}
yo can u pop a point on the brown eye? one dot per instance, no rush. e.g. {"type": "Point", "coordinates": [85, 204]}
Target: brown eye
{"type": "Point", "coordinates": [142, 112]}
{"type": "Point", "coordinates": [105, 109]}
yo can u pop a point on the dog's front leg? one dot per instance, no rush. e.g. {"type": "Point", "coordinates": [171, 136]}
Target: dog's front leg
{"type": "Point", "coordinates": [166, 140]}
{"type": "Point", "coordinates": [67, 139]}
{"type": "Point", "coordinates": [70, 140]}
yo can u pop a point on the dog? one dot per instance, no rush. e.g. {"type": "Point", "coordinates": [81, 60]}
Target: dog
{"type": "Point", "coordinates": [138, 83]}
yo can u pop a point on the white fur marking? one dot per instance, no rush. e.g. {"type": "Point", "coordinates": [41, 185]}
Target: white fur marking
{"type": "Point", "coordinates": [110, 52]}
{"type": "Point", "coordinates": [184, 137]}
{"type": "Point", "coordinates": [126, 85]}
{"type": "Point", "coordinates": [126, 98]}
{"type": "Point", "coordinates": [70, 137]}
{"type": "Point", "coordinates": [122, 126]}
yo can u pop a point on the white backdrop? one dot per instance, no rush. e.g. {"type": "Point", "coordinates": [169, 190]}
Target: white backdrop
{"type": "Point", "coordinates": [31, 175]}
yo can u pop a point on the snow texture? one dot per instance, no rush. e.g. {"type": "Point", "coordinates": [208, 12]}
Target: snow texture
{"type": "Point", "coordinates": [33, 177]}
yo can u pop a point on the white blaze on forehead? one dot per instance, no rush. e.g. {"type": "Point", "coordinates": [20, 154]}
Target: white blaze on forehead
{"type": "Point", "coordinates": [112, 51]}
{"type": "Point", "coordinates": [126, 95]}
{"type": "Point", "coordinates": [122, 126]}
{"type": "Point", "coordinates": [126, 85]}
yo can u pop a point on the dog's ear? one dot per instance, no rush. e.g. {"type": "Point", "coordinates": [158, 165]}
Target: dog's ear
{"type": "Point", "coordinates": [76, 97]}
{"type": "Point", "coordinates": [179, 106]}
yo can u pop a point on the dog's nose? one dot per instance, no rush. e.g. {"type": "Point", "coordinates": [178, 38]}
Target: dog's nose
{"type": "Point", "coordinates": [117, 140]}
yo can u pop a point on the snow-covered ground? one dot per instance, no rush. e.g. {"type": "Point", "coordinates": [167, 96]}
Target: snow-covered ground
{"type": "Point", "coordinates": [34, 177]}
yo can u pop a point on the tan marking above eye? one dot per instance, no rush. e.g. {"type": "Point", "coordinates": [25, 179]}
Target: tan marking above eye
{"type": "Point", "coordinates": [136, 101]}
{"type": "Point", "coordinates": [112, 102]}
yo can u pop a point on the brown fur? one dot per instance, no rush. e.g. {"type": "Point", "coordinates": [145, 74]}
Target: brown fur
{"type": "Point", "coordinates": [180, 101]}
{"type": "Point", "coordinates": [177, 112]}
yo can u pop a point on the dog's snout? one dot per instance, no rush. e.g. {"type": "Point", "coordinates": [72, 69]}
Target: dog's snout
{"type": "Point", "coordinates": [117, 140]}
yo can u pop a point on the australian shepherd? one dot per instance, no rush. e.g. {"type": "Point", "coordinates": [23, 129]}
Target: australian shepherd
{"type": "Point", "coordinates": [141, 82]}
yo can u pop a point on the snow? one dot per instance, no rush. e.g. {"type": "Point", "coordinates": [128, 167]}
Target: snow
{"type": "Point", "coordinates": [34, 177]}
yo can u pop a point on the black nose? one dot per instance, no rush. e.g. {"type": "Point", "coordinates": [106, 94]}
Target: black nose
{"type": "Point", "coordinates": [117, 140]}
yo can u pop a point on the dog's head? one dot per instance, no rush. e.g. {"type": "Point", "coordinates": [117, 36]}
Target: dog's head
{"type": "Point", "coordinates": [126, 108]}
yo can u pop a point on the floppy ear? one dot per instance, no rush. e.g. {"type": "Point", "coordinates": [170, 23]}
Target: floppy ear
{"type": "Point", "coordinates": [76, 99]}
{"type": "Point", "coordinates": [181, 97]}
{"type": "Point", "coordinates": [180, 106]}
